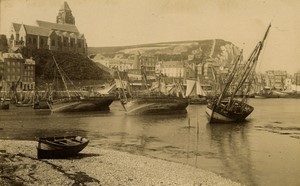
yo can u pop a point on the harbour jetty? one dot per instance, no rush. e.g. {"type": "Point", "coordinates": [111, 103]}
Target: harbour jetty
{"type": "Point", "coordinates": [96, 166]}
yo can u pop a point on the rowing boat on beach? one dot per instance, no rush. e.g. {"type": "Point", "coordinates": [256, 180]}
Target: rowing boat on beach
{"type": "Point", "coordinates": [60, 147]}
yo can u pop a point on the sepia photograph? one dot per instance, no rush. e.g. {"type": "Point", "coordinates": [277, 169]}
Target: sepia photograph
{"type": "Point", "coordinates": [149, 92]}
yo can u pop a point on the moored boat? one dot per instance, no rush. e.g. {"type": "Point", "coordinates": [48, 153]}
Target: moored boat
{"type": "Point", "coordinates": [231, 109]}
{"type": "Point", "coordinates": [152, 102]}
{"type": "Point", "coordinates": [194, 92]}
{"type": "Point", "coordinates": [155, 105]}
{"type": "Point", "coordinates": [60, 147]}
{"type": "Point", "coordinates": [78, 102]}
{"type": "Point", "coordinates": [81, 104]}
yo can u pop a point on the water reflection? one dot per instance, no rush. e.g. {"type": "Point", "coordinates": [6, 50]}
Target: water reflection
{"type": "Point", "coordinates": [234, 150]}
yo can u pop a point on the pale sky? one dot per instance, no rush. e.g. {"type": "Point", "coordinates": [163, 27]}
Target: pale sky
{"type": "Point", "coordinates": [128, 22]}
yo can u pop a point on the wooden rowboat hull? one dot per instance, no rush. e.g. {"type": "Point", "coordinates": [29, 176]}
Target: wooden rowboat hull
{"type": "Point", "coordinates": [60, 147]}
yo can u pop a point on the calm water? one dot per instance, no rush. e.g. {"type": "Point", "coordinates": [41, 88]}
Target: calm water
{"type": "Point", "coordinates": [263, 151]}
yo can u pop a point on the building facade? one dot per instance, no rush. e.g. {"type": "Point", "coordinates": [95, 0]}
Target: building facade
{"type": "Point", "coordinates": [276, 79]}
{"type": "Point", "coordinates": [17, 72]}
{"type": "Point", "coordinates": [62, 36]}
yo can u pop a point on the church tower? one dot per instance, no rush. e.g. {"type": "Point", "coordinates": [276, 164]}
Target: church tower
{"type": "Point", "coordinates": [65, 15]}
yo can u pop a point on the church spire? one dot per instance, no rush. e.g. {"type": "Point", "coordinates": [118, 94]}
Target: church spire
{"type": "Point", "coordinates": [65, 15]}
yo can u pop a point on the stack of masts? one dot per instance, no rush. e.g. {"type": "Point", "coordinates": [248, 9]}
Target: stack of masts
{"type": "Point", "coordinates": [246, 75]}
{"type": "Point", "coordinates": [64, 78]}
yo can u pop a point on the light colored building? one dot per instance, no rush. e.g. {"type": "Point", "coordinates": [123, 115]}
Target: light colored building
{"type": "Point", "coordinates": [175, 69]}
{"type": "Point", "coordinates": [122, 62]}
{"type": "Point", "coordinates": [276, 79]}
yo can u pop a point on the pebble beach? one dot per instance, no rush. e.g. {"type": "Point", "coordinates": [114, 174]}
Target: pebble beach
{"type": "Point", "coordinates": [95, 166]}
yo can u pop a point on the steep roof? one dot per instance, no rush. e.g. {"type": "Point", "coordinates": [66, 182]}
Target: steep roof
{"type": "Point", "coordinates": [65, 6]}
{"type": "Point", "coordinates": [57, 26]}
{"type": "Point", "coordinates": [16, 26]}
{"type": "Point", "coordinates": [35, 30]}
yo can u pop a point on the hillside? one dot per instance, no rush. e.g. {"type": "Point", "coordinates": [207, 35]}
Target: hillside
{"type": "Point", "coordinates": [76, 66]}
{"type": "Point", "coordinates": [217, 49]}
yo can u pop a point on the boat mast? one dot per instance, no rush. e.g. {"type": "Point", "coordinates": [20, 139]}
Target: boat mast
{"type": "Point", "coordinates": [62, 77]}
{"type": "Point", "coordinates": [230, 79]}
{"type": "Point", "coordinates": [121, 82]}
{"type": "Point", "coordinates": [251, 62]}
{"type": "Point", "coordinates": [145, 79]}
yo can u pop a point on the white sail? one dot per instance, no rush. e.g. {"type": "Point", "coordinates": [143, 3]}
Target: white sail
{"type": "Point", "coordinates": [199, 90]}
{"type": "Point", "coordinates": [190, 88]}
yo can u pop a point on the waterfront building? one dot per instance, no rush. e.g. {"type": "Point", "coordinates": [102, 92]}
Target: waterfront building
{"type": "Point", "coordinates": [17, 72]}
{"type": "Point", "coordinates": [122, 62]}
{"type": "Point", "coordinates": [275, 79]}
{"type": "Point", "coordinates": [148, 63]}
{"type": "Point", "coordinates": [173, 69]}
{"type": "Point", "coordinates": [62, 36]}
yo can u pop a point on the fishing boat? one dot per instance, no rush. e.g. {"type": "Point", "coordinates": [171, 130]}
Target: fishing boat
{"type": "Point", "coordinates": [152, 102]}
{"type": "Point", "coordinates": [232, 109]}
{"type": "Point", "coordinates": [195, 93]}
{"type": "Point", "coordinates": [78, 102]}
{"type": "Point", "coordinates": [60, 147]}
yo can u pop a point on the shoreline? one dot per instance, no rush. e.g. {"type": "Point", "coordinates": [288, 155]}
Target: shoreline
{"type": "Point", "coordinates": [96, 166]}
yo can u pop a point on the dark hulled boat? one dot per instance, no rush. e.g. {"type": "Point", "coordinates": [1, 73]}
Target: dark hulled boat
{"type": "Point", "coordinates": [231, 109]}
{"type": "Point", "coordinates": [60, 147]}
{"type": "Point", "coordinates": [152, 102]}
{"type": "Point", "coordinates": [155, 105]}
{"type": "Point", "coordinates": [79, 102]}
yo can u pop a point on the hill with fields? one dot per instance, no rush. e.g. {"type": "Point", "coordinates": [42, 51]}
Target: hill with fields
{"type": "Point", "coordinates": [218, 50]}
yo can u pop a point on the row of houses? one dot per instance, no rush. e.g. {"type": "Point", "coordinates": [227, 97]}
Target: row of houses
{"type": "Point", "coordinates": [16, 72]}
{"type": "Point", "coordinates": [208, 71]}
{"type": "Point", "coordinates": [153, 66]}
{"type": "Point", "coordinates": [278, 80]}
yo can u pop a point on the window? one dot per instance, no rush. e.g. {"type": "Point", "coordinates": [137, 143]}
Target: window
{"type": "Point", "coordinates": [42, 41]}
{"type": "Point", "coordinates": [12, 37]}
{"type": "Point", "coordinates": [79, 44]}
{"type": "Point", "coordinates": [29, 40]}
{"type": "Point", "coordinates": [34, 41]}
{"type": "Point", "coordinates": [72, 43]}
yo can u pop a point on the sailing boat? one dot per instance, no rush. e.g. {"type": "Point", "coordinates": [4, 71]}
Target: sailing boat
{"type": "Point", "coordinates": [78, 102]}
{"type": "Point", "coordinates": [152, 102]}
{"type": "Point", "coordinates": [224, 109]}
{"type": "Point", "coordinates": [194, 92]}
